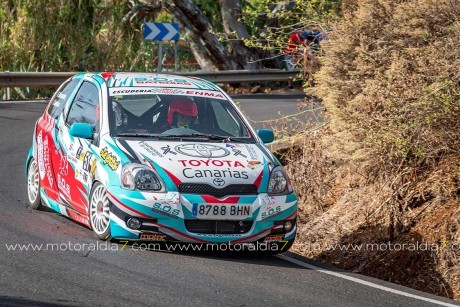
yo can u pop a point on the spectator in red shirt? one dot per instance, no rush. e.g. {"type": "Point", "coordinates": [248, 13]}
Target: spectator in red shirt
{"type": "Point", "coordinates": [291, 53]}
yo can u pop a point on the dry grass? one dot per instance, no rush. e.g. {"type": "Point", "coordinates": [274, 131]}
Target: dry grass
{"type": "Point", "coordinates": [341, 207]}
{"type": "Point", "coordinates": [387, 168]}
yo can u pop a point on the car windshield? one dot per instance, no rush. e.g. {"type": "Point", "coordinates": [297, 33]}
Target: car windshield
{"type": "Point", "coordinates": [175, 116]}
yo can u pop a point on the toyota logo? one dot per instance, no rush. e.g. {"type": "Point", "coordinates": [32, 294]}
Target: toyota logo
{"type": "Point", "coordinates": [219, 182]}
{"type": "Point", "coordinates": [202, 150]}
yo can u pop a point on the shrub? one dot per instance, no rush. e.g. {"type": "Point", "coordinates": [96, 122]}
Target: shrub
{"type": "Point", "coordinates": [390, 81]}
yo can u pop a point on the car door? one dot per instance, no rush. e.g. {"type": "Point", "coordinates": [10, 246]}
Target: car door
{"type": "Point", "coordinates": [77, 163]}
{"type": "Point", "coordinates": [47, 143]}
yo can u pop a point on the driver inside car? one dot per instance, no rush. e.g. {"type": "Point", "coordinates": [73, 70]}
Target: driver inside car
{"type": "Point", "coordinates": [182, 113]}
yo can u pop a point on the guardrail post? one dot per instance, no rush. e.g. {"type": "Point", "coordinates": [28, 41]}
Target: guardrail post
{"type": "Point", "coordinates": [8, 93]}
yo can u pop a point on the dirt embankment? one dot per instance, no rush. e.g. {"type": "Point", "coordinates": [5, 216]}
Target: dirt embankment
{"type": "Point", "coordinates": [379, 185]}
{"type": "Point", "coordinates": [403, 228]}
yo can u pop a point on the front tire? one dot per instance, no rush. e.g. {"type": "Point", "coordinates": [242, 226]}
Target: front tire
{"type": "Point", "coordinates": [33, 185]}
{"type": "Point", "coordinates": [99, 212]}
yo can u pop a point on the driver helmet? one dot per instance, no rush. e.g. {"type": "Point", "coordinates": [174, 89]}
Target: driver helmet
{"type": "Point", "coordinates": [184, 106]}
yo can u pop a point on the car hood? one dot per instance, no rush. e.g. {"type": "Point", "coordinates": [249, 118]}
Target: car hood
{"type": "Point", "coordinates": [218, 164]}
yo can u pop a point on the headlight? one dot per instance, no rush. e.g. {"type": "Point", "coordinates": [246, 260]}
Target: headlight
{"type": "Point", "coordinates": [140, 177]}
{"type": "Point", "coordinates": [279, 183]}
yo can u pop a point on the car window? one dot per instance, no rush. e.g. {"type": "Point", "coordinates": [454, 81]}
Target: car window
{"type": "Point", "coordinates": [135, 113]}
{"type": "Point", "coordinates": [85, 107]}
{"type": "Point", "coordinates": [173, 114]}
{"type": "Point", "coordinates": [139, 104]}
{"type": "Point", "coordinates": [58, 102]}
{"type": "Point", "coordinates": [225, 119]}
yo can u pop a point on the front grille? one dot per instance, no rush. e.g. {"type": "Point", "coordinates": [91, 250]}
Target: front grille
{"type": "Point", "coordinates": [206, 189]}
{"type": "Point", "coordinates": [218, 227]}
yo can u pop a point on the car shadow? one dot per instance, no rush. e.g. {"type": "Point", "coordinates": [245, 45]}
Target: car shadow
{"type": "Point", "coordinates": [192, 250]}
{"type": "Point", "coordinates": [19, 301]}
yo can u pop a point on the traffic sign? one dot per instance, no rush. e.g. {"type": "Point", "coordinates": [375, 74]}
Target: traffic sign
{"type": "Point", "coordinates": [161, 31]}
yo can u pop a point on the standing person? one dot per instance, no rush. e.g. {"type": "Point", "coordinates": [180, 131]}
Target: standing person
{"type": "Point", "coordinates": [313, 37]}
{"type": "Point", "coordinates": [291, 53]}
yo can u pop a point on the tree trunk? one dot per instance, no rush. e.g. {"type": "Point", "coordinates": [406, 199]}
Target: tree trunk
{"type": "Point", "coordinates": [236, 31]}
{"type": "Point", "coordinates": [209, 52]}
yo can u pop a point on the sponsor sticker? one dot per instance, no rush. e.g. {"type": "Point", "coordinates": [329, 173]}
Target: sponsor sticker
{"type": "Point", "coordinates": [150, 149]}
{"type": "Point", "coordinates": [46, 161]}
{"type": "Point", "coordinates": [167, 149]}
{"type": "Point", "coordinates": [166, 209]}
{"type": "Point", "coordinates": [61, 96]}
{"type": "Point", "coordinates": [274, 238]}
{"type": "Point", "coordinates": [225, 169]}
{"type": "Point", "coordinates": [109, 159]}
{"type": "Point", "coordinates": [217, 163]}
{"type": "Point", "coordinates": [93, 167]}
{"type": "Point", "coordinates": [41, 165]}
{"type": "Point", "coordinates": [236, 152]}
{"type": "Point", "coordinates": [152, 236]}
{"type": "Point", "coordinates": [270, 212]}
{"type": "Point", "coordinates": [254, 164]}
{"type": "Point", "coordinates": [117, 91]}
{"type": "Point", "coordinates": [211, 94]}
{"type": "Point", "coordinates": [189, 172]}
{"type": "Point", "coordinates": [252, 152]}
{"type": "Point", "coordinates": [63, 186]}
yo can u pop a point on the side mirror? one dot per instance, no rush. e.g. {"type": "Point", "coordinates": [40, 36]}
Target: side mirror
{"type": "Point", "coordinates": [266, 135]}
{"type": "Point", "coordinates": [81, 130]}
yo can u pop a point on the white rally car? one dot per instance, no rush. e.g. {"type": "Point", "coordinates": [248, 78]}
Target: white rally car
{"type": "Point", "coordinates": [158, 157]}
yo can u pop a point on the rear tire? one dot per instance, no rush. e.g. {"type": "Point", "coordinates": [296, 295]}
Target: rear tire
{"type": "Point", "coordinates": [99, 212]}
{"type": "Point", "coordinates": [33, 185]}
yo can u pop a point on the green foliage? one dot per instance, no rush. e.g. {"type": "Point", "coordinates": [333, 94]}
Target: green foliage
{"type": "Point", "coordinates": [84, 35]}
{"type": "Point", "coordinates": [211, 9]}
{"type": "Point", "coordinates": [55, 35]}
{"type": "Point", "coordinates": [271, 22]}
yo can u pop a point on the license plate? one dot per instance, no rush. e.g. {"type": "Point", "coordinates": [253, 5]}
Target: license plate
{"type": "Point", "coordinates": [221, 212]}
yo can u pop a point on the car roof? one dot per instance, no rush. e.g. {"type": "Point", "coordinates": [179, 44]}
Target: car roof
{"type": "Point", "coordinates": [131, 79]}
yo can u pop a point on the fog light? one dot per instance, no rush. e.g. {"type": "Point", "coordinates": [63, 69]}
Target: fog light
{"type": "Point", "coordinates": [133, 223]}
{"type": "Point", "coordinates": [288, 226]}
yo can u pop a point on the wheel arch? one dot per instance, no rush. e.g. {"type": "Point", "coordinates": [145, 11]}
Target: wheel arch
{"type": "Point", "coordinates": [30, 155]}
{"type": "Point", "coordinates": [95, 181]}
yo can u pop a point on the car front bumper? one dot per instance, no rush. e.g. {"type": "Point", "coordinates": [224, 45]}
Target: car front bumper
{"type": "Point", "coordinates": [169, 217]}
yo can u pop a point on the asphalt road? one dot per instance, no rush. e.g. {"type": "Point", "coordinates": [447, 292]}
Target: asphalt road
{"type": "Point", "coordinates": [283, 112]}
{"type": "Point", "coordinates": [140, 277]}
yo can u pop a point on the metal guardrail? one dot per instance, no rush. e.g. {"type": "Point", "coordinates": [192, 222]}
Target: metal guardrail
{"type": "Point", "coordinates": [54, 79]}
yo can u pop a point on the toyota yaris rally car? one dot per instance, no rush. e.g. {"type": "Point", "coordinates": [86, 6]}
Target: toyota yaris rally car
{"type": "Point", "coordinates": [161, 158]}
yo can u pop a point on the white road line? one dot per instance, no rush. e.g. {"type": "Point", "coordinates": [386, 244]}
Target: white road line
{"type": "Point", "coordinates": [363, 282]}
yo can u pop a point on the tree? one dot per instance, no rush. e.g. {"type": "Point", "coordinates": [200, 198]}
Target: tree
{"type": "Point", "coordinates": [237, 32]}
{"type": "Point", "coordinates": [208, 51]}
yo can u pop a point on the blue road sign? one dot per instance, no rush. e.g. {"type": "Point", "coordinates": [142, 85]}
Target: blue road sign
{"type": "Point", "coordinates": [161, 31]}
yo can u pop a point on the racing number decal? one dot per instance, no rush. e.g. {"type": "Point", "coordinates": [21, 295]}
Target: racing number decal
{"type": "Point", "coordinates": [87, 162]}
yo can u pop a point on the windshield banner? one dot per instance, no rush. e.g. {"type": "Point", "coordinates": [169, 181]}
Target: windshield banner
{"type": "Point", "coordinates": [123, 91]}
